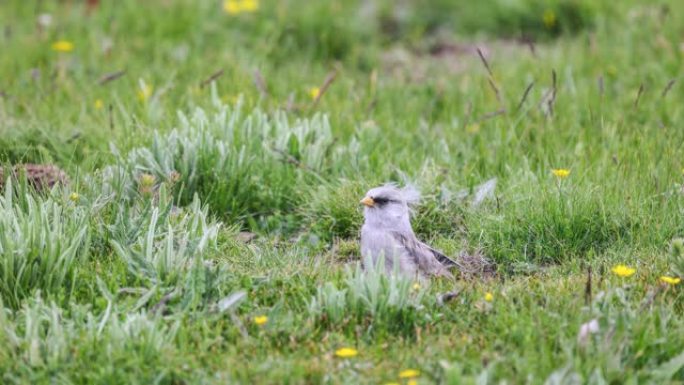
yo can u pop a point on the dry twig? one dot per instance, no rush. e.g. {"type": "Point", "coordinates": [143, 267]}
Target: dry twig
{"type": "Point", "coordinates": [211, 78]}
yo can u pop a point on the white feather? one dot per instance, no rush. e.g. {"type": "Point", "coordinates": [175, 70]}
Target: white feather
{"type": "Point", "coordinates": [410, 194]}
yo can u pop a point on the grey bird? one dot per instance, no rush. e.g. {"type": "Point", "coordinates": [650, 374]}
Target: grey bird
{"type": "Point", "coordinates": [387, 234]}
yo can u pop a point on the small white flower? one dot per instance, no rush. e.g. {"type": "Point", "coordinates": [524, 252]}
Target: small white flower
{"type": "Point", "coordinates": [587, 329]}
{"type": "Point", "coordinates": [44, 20]}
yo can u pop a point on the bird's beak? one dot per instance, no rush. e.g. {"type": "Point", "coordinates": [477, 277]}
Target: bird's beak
{"type": "Point", "coordinates": [368, 201]}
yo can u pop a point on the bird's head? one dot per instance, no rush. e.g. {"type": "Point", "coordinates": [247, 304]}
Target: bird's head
{"type": "Point", "coordinates": [388, 205]}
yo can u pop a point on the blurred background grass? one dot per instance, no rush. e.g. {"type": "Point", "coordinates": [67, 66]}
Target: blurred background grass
{"type": "Point", "coordinates": [173, 46]}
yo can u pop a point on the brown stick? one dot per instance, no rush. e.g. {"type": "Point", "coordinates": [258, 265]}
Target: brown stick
{"type": "Point", "coordinates": [668, 87]}
{"type": "Point", "coordinates": [211, 78]}
{"type": "Point", "coordinates": [111, 118]}
{"type": "Point", "coordinates": [106, 78]}
{"type": "Point", "coordinates": [490, 115]}
{"type": "Point", "coordinates": [525, 94]}
{"type": "Point", "coordinates": [496, 89]}
{"type": "Point", "coordinates": [554, 90]}
{"type": "Point", "coordinates": [641, 91]}
{"type": "Point", "coordinates": [588, 288]}
{"type": "Point", "coordinates": [490, 78]}
{"type": "Point", "coordinates": [329, 79]}
{"type": "Point", "coordinates": [484, 61]}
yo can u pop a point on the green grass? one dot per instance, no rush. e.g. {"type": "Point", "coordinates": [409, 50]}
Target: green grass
{"type": "Point", "coordinates": [144, 277]}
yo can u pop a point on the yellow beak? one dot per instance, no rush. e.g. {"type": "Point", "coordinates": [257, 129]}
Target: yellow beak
{"type": "Point", "coordinates": [368, 201]}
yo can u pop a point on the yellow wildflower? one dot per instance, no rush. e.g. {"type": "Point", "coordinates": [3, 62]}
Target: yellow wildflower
{"type": "Point", "coordinates": [549, 18]}
{"type": "Point", "coordinates": [231, 7]}
{"type": "Point", "coordinates": [314, 92]}
{"type": "Point", "coordinates": [560, 173]}
{"type": "Point", "coordinates": [415, 287]}
{"type": "Point", "coordinates": [63, 46]}
{"type": "Point", "coordinates": [74, 197]}
{"type": "Point", "coordinates": [623, 271]}
{"type": "Point", "coordinates": [98, 104]}
{"type": "Point", "coordinates": [670, 280]}
{"type": "Point", "coordinates": [489, 297]}
{"type": "Point", "coordinates": [260, 320]}
{"type": "Point", "coordinates": [234, 7]}
{"type": "Point", "coordinates": [249, 5]}
{"type": "Point", "coordinates": [409, 373]}
{"type": "Point", "coordinates": [346, 352]}
{"type": "Point", "coordinates": [144, 92]}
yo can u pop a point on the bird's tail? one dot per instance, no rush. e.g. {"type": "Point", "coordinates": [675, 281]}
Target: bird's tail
{"type": "Point", "coordinates": [444, 260]}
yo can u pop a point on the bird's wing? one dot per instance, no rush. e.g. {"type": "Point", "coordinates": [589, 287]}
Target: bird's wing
{"type": "Point", "coordinates": [441, 258]}
{"type": "Point", "coordinates": [425, 257]}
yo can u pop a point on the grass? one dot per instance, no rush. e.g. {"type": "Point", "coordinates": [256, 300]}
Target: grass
{"type": "Point", "coordinates": [187, 130]}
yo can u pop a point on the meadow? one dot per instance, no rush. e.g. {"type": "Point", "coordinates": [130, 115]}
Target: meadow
{"type": "Point", "coordinates": [217, 151]}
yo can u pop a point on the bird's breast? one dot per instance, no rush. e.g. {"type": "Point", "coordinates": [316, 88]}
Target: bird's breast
{"type": "Point", "coordinates": [378, 242]}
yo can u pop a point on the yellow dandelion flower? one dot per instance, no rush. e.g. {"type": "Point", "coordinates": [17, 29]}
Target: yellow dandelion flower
{"type": "Point", "coordinates": [346, 352]}
{"type": "Point", "coordinates": [63, 46]}
{"type": "Point", "coordinates": [231, 7]}
{"type": "Point", "coordinates": [249, 5]}
{"type": "Point", "coordinates": [144, 92]}
{"type": "Point", "coordinates": [74, 197]}
{"type": "Point", "coordinates": [260, 320]}
{"type": "Point", "coordinates": [314, 92]}
{"type": "Point", "coordinates": [412, 382]}
{"type": "Point", "coordinates": [623, 271]}
{"type": "Point", "coordinates": [560, 173]}
{"type": "Point", "coordinates": [489, 297]}
{"type": "Point", "coordinates": [670, 280]}
{"type": "Point", "coordinates": [98, 104]}
{"type": "Point", "coordinates": [549, 18]}
{"type": "Point", "coordinates": [409, 373]}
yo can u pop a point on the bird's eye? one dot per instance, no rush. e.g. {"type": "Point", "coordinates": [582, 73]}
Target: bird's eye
{"type": "Point", "coordinates": [380, 200]}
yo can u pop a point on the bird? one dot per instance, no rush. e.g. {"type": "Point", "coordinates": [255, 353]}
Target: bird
{"type": "Point", "coordinates": [387, 235]}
